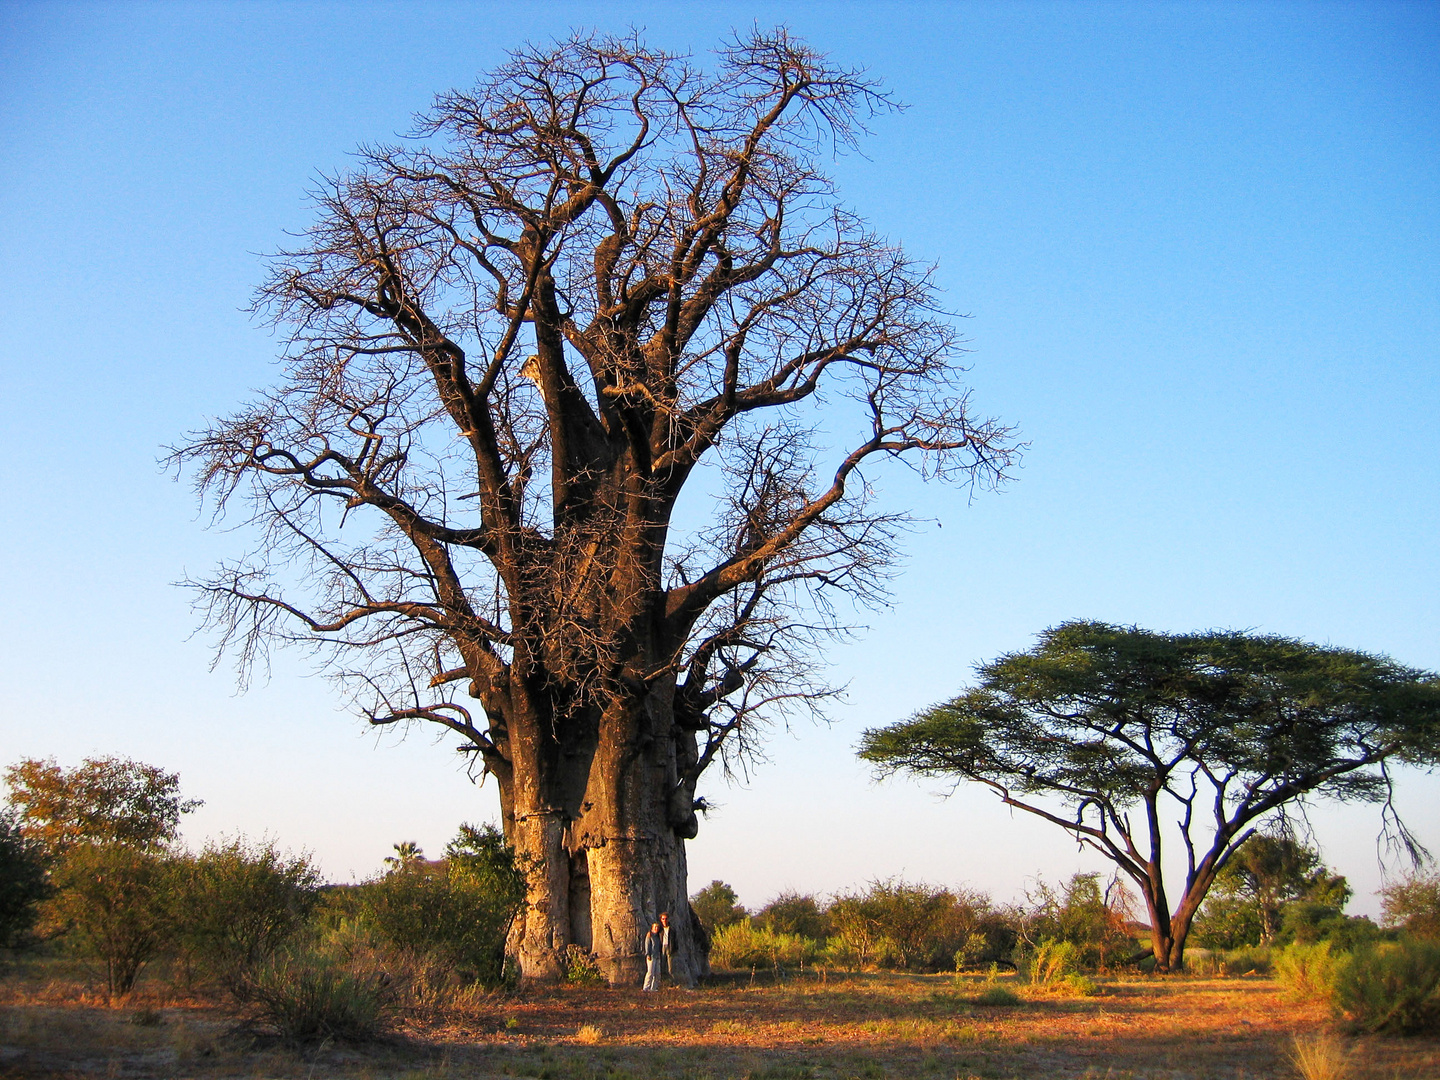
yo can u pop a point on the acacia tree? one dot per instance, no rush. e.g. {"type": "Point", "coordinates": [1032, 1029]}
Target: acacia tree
{"type": "Point", "coordinates": [1107, 731]}
{"type": "Point", "coordinates": [513, 341]}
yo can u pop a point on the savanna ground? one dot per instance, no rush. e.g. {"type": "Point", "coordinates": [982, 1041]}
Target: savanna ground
{"type": "Point", "coordinates": [803, 1028]}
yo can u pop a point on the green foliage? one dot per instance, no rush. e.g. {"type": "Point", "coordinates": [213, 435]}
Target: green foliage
{"type": "Point", "coordinates": [106, 800]}
{"type": "Point", "coordinates": [581, 968]}
{"type": "Point", "coordinates": [1309, 921]}
{"type": "Point", "coordinates": [310, 997]}
{"type": "Point", "coordinates": [1049, 961]}
{"type": "Point", "coordinates": [1413, 904]}
{"type": "Point", "coordinates": [238, 903]}
{"type": "Point", "coordinates": [793, 913]}
{"type": "Point", "coordinates": [1093, 923]}
{"type": "Point", "coordinates": [113, 905]}
{"type": "Point", "coordinates": [1227, 921]}
{"type": "Point", "coordinates": [716, 905]}
{"type": "Point", "coordinates": [743, 945]}
{"type": "Point", "coordinates": [1252, 894]}
{"type": "Point", "coordinates": [1391, 986]}
{"type": "Point", "coordinates": [1308, 971]}
{"type": "Point", "coordinates": [899, 924]}
{"type": "Point", "coordinates": [1078, 985]}
{"type": "Point", "coordinates": [1107, 731]}
{"type": "Point", "coordinates": [456, 915]}
{"type": "Point", "coordinates": [997, 995]}
{"type": "Point", "coordinates": [23, 882]}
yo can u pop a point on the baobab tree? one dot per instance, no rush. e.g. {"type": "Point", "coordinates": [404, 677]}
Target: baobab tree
{"type": "Point", "coordinates": [599, 280]}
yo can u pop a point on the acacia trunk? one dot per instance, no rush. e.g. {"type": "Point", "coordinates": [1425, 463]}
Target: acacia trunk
{"type": "Point", "coordinates": [600, 818]}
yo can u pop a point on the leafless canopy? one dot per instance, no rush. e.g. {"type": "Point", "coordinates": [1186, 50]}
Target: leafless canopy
{"type": "Point", "coordinates": [512, 340]}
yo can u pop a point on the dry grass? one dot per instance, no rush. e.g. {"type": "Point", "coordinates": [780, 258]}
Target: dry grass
{"type": "Point", "coordinates": [1320, 1056]}
{"type": "Point", "coordinates": [863, 1027]}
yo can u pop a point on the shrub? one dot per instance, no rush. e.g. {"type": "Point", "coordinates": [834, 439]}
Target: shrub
{"type": "Point", "coordinates": [113, 905]}
{"type": "Point", "coordinates": [997, 995]}
{"type": "Point", "coordinates": [1391, 986]}
{"type": "Point", "coordinates": [1051, 961]}
{"type": "Point", "coordinates": [311, 997]}
{"type": "Point", "coordinates": [581, 968]}
{"type": "Point", "coordinates": [239, 903]}
{"type": "Point", "coordinates": [1309, 921]}
{"type": "Point", "coordinates": [899, 924]}
{"type": "Point", "coordinates": [1308, 971]}
{"type": "Point", "coordinates": [1078, 985]}
{"type": "Point", "coordinates": [22, 881]}
{"type": "Point", "coordinates": [1093, 920]}
{"type": "Point", "coordinates": [744, 945]}
{"type": "Point", "coordinates": [1251, 961]}
{"type": "Point", "coordinates": [456, 914]}
{"type": "Point", "coordinates": [792, 913]}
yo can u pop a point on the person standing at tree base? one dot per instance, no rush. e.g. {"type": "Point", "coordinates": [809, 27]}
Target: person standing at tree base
{"type": "Point", "coordinates": [667, 949]}
{"type": "Point", "coordinates": [654, 953]}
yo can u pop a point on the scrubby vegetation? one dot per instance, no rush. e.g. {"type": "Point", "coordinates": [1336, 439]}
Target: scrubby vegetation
{"type": "Point", "coordinates": [252, 928]}
{"type": "Point", "coordinates": [93, 873]}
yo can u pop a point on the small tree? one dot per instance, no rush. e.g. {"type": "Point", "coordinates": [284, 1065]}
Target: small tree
{"type": "Point", "coordinates": [105, 800]}
{"type": "Point", "coordinates": [1107, 731]}
{"type": "Point", "coordinates": [114, 905]}
{"type": "Point", "coordinates": [716, 905]}
{"type": "Point", "coordinates": [1265, 874]}
{"type": "Point", "coordinates": [22, 881]}
{"type": "Point", "coordinates": [1413, 904]}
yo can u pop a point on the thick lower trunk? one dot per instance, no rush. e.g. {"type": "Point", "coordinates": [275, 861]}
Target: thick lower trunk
{"type": "Point", "coordinates": [601, 830]}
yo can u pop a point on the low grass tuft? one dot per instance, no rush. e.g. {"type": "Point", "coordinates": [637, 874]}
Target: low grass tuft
{"type": "Point", "coordinates": [1319, 1057]}
{"type": "Point", "coordinates": [997, 996]}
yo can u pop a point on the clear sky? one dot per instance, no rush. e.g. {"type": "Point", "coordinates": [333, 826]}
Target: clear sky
{"type": "Point", "coordinates": [1199, 249]}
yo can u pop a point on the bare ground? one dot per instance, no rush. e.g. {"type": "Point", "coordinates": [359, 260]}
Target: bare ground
{"type": "Point", "coordinates": [868, 1027]}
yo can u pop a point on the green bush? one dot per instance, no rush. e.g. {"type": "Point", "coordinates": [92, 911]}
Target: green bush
{"type": "Point", "coordinates": [22, 881]}
{"type": "Point", "coordinates": [744, 945]}
{"type": "Point", "coordinates": [113, 904]}
{"type": "Point", "coordinates": [238, 904]}
{"type": "Point", "coordinates": [997, 995]}
{"type": "Point", "coordinates": [793, 913]}
{"type": "Point", "coordinates": [913, 926]}
{"type": "Point", "coordinates": [1094, 920]}
{"type": "Point", "coordinates": [453, 915]}
{"type": "Point", "coordinates": [581, 968]}
{"type": "Point", "coordinates": [1051, 961]}
{"type": "Point", "coordinates": [1078, 985]}
{"type": "Point", "coordinates": [1308, 971]}
{"type": "Point", "coordinates": [310, 997]}
{"type": "Point", "coordinates": [1310, 921]}
{"type": "Point", "coordinates": [1391, 986]}
{"type": "Point", "coordinates": [716, 905]}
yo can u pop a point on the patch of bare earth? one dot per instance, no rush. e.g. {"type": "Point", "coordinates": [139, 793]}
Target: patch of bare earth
{"type": "Point", "coordinates": [867, 1027]}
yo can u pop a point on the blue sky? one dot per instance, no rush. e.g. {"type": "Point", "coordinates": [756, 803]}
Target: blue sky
{"type": "Point", "coordinates": [1199, 251]}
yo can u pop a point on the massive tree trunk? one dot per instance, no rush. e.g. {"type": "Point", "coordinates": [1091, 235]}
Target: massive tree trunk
{"type": "Point", "coordinates": [602, 832]}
